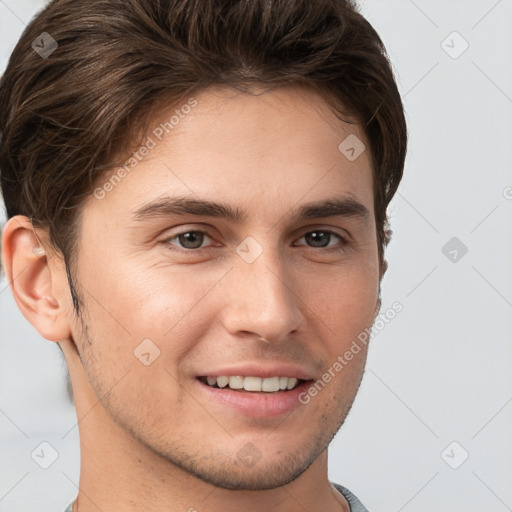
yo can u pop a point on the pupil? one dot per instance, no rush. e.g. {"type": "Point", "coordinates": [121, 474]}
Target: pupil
{"type": "Point", "coordinates": [314, 239]}
{"type": "Point", "coordinates": [192, 237]}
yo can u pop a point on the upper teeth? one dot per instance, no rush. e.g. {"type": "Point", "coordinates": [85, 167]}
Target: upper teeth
{"type": "Point", "coordinates": [254, 383]}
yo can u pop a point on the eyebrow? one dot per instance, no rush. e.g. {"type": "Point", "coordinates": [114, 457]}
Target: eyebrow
{"type": "Point", "coordinates": [181, 206]}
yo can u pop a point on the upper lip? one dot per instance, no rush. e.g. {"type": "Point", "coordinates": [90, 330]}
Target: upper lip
{"type": "Point", "coordinates": [259, 370]}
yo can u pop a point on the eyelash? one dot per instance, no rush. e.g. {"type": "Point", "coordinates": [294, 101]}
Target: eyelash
{"type": "Point", "coordinates": [166, 242]}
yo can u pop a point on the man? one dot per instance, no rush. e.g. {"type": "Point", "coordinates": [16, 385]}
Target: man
{"type": "Point", "coordinates": [196, 193]}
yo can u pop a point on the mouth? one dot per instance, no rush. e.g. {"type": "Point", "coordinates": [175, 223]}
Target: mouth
{"type": "Point", "coordinates": [252, 384]}
{"type": "Point", "coordinates": [252, 396]}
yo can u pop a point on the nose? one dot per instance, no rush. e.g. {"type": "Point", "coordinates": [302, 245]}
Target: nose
{"type": "Point", "coordinates": [262, 299]}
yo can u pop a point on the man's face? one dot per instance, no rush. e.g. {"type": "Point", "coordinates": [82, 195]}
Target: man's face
{"type": "Point", "coordinates": [306, 285]}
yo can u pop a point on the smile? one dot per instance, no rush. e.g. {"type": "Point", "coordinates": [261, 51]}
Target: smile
{"type": "Point", "coordinates": [260, 397]}
{"type": "Point", "coordinates": [251, 383]}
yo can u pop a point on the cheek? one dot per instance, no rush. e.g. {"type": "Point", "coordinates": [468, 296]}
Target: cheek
{"type": "Point", "coordinates": [345, 299]}
{"type": "Point", "coordinates": [167, 306]}
{"type": "Point", "coordinates": [132, 319]}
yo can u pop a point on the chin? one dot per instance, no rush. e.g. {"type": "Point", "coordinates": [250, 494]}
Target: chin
{"type": "Point", "coordinates": [249, 469]}
{"type": "Point", "coordinates": [266, 477]}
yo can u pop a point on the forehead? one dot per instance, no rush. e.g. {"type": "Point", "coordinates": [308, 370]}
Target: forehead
{"type": "Point", "coordinates": [268, 151]}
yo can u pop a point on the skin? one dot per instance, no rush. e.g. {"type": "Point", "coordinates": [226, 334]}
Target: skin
{"type": "Point", "coordinates": [155, 441]}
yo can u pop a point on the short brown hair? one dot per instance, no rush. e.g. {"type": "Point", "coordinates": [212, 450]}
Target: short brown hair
{"type": "Point", "coordinates": [64, 116]}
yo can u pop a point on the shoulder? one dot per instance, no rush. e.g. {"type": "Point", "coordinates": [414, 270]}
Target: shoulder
{"type": "Point", "coordinates": [355, 504]}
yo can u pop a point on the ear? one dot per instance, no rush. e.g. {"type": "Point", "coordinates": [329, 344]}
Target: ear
{"type": "Point", "coordinates": [33, 283]}
{"type": "Point", "coordinates": [377, 307]}
{"type": "Point", "coordinates": [383, 268]}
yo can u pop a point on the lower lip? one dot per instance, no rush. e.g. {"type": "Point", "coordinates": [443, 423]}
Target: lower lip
{"type": "Point", "coordinates": [258, 404]}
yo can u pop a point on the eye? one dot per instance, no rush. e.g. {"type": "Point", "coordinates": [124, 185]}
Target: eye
{"type": "Point", "coordinates": [188, 240]}
{"type": "Point", "coordinates": [322, 238]}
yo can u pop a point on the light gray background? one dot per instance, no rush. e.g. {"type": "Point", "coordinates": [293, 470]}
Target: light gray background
{"type": "Point", "coordinates": [440, 371]}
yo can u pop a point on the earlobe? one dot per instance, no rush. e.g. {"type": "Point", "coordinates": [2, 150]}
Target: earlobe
{"type": "Point", "coordinates": [30, 278]}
